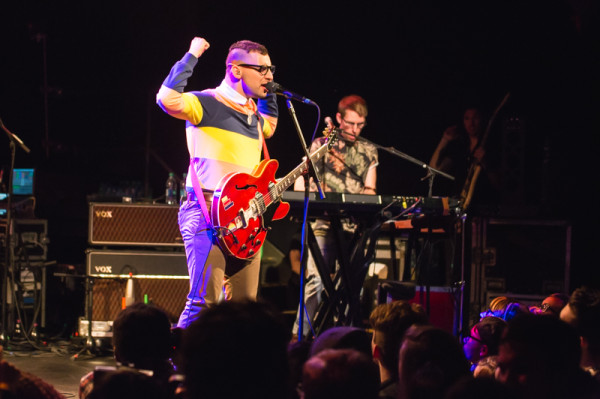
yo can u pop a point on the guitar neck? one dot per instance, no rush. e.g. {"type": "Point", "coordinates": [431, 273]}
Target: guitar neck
{"type": "Point", "coordinates": [291, 177]}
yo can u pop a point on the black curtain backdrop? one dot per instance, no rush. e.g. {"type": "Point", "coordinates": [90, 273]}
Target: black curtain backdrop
{"type": "Point", "coordinates": [416, 63]}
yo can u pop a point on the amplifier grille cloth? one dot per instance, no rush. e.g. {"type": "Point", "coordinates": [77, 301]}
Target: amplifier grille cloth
{"type": "Point", "coordinates": [168, 294]}
{"type": "Point", "coordinates": [134, 224]}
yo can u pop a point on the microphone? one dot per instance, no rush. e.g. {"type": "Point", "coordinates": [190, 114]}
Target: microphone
{"type": "Point", "coordinates": [276, 88]}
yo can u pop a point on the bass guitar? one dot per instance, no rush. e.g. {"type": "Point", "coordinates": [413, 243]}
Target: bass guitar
{"type": "Point", "coordinates": [242, 202]}
{"type": "Point", "coordinates": [466, 194]}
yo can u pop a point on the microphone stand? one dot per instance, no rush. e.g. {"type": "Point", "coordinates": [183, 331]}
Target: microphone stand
{"type": "Point", "coordinates": [431, 173]}
{"type": "Point", "coordinates": [14, 140]}
{"type": "Point", "coordinates": [312, 172]}
{"type": "Point", "coordinates": [311, 167]}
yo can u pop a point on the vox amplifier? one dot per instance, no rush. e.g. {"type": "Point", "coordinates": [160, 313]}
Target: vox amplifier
{"type": "Point", "coordinates": [159, 277]}
{"type": "Point", "coordinates": [133, 224]}
{"type": "Point", "coordinates": [107, 294]}
{"type": "Point", "coordinates": [141, 264]}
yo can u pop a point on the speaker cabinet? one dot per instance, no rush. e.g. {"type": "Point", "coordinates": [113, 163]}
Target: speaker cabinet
{"type": "Point", "coordinates": [107, 295]}
{"type": "Point", "coordinates": [133, 224]}
{"type": "Point", "coordinates": [141, 264]}
{"type": "Point", "coordinates": [158, 276]}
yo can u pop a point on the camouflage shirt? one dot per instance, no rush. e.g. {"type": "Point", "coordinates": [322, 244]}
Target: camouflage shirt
{"type": "Point", "coordinates": [344, 168]}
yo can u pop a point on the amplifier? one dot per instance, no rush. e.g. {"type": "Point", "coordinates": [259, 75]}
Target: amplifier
{"type": "Point", "coordinates": [106, 295]}
{"type": "Point", "coordinates": [141, 264]}
{"type": "Point", "coordinates": [133, 224]}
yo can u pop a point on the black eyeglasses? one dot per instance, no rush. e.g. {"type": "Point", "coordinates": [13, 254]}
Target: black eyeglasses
{"type": "Point", "coordinates": [262, 69]}
{"type": "Point", "coordinates": [468, 337]}
{"type": "Point", "coordinates": [359, 125]}
{"type": "Point", "coordinates": [547, 308]}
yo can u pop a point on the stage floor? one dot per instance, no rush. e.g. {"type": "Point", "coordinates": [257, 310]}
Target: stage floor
{"type": "Point", "coordinates": [57, 365]}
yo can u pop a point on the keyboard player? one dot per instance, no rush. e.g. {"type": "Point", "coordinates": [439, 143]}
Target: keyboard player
{"type": "Point", "coordinates": [349, 167]}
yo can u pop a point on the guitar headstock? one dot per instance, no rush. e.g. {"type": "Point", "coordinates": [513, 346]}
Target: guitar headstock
{"type": "Point", "coordinates": [331, 132]}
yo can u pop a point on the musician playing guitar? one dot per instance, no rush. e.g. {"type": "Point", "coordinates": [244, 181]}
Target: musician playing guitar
{"type": "Point", "coordinates": [459, 149]}
{"type": "Point", "coordinates": [349, 167]}
{"type": "Point", "coordinates": [225, 131]}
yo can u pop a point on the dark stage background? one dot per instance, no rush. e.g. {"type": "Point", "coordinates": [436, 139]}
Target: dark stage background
{"type": "Point", "coordinates": [417, 63]}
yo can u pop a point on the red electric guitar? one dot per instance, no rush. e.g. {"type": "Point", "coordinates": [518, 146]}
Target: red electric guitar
{"type": "Point", "coordinates": [241, 199]}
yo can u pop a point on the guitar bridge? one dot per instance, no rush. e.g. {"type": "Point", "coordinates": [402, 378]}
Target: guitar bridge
{"type": "Point", "coordinates": [240, 221]}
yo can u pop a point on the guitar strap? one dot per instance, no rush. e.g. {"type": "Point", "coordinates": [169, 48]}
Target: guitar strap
{"type": "Point", "coordinates": [197, 187]}
{"type": "Point", "coordinates": [262, 138]}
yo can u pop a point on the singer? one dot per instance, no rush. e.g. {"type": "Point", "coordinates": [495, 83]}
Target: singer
{"type": "Point", "coordinates": [350, 167]}
{"type": "Point", "coordinates": [225, 132]}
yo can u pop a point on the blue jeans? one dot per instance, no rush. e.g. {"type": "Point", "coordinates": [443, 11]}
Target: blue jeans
{"type": "Point", "coordinates": [213, 274]}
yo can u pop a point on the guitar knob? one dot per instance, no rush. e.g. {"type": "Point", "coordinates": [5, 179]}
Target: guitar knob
{"type": "Point", "coordinates": [243, 247]}
{"type": "Point", "coordinates": [251, 237]}
{"type": "Point", "coordinates": [257, 243]}
{"type": "Point", "coordinates": [251, 252]}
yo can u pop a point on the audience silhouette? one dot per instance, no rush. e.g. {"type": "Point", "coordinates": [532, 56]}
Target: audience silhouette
{"type": "Point", "coordinates": [431, 360]}
{"type": "Point", "coordinates": [242, 349]}
{"type": "Point", "coordinates": [340, 374]}
{"type": "Point", "coordinates": [18, 384]}
{"type": "Point", "coordinates": [236, 350]}
{"type": "Point", "coordinates": [540, 357]}
{"type": "Point", "coordinates": [583, 312]}
{"type": "Point", "coordinates": [389, 322]}
{"type": "Point", "coordinates": [141, 341]}
{"type": "Point", "coordinates": [483, 340]}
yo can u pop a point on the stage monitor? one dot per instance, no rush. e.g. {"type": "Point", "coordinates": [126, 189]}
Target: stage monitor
{"type": "Point", "coordinates": [23, 181]}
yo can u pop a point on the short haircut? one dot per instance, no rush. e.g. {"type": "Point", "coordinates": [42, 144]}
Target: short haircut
{"type": "Point", "coordinates": [431, 360]}
{"type": "Point", "coordinates": [142, 336]}
{"type": "Point", "coordinates": [561, 296]}
{"type": "Point", "coordinates": [583, 298]}
{"type": "Point", "coordinates": [499, 303]}
{"type": "Point", "coordinates": [340, 373]}
{"type": "Point", "coordinates": [490, 331]}
{"type": "Point", "coordinates": [126, 383]}
{"type": "Point", "coordinates": [236, 349]}
{"type": "Point", "coordinates": [246, 46]}
{"type": "Point", "coordinates": [390, 321]}
{"type": "Point", "coordinates": [545, 347]}
{"type": "Point", "coordinates": [354, 103]}
{"type": "Point", "coordinates": [585, 305]}
{"type": "Point", "coordinates": [342, 337]}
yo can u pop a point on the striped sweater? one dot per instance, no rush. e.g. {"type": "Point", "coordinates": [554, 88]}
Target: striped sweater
{"type": "Point", "coordinates": [222, 126]}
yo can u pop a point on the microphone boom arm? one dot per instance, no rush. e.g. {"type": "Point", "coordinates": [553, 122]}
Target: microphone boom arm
{"type": "Point", "coordinates": [431, 172]}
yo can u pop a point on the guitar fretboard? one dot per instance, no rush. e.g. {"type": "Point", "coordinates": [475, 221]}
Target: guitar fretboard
{"type": "Point", "coordinates": [276, 190]}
